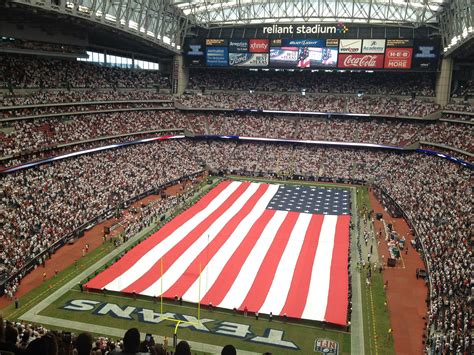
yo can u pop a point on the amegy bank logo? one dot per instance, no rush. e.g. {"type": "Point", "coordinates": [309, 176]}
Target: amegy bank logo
{"type": "Point", "coordinates": [245, 332]}
{"type": "Point", "coordinates": [305, 29]}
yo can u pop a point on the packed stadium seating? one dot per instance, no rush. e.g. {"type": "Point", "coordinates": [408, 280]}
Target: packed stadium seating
{"type": "Point", "coordinates": [42, 205]}
{"type": "Point", "coordinates": [20, 72]}
{"type": "Point", "coordinates": [315, 81]}
{"type": "Point", "coordinates": [412, 180]}
{"type": "Point", "coordinates": [34, 339]}
{"type": "Point", "coordinates": [321, 103]}
{"type": "Point", "coordinates": [24, 138]}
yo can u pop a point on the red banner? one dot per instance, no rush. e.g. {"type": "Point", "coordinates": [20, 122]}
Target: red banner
{"type": "Point", "coordinates": [398, 58]}
{"type": "Point", "coordinates": [360, 61]}
{"type": "Point", "coordinates": [258, 46]}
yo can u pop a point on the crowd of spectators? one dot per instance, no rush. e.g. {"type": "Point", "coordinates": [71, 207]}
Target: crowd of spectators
{"type": "Point", "coordinates": [317, 103]}
{"type": "Point", "coordinates": [24, 139]}
{"type": "Point", "coordinates": [106, 106]}
{"type": "Point", "coordinates": [55, 97]}
{"type": "Point", "coordinates": [30, 135]}
{"type": "Point", "coordinates": [41, 206]}
{"type": "Point", "coordinates": [22, 72]}
{"type": "Point", "coordinates": [44, 204]}
{"type": "Point", "coordinates": [354, 129]}
{"type": "Point", "coordinates": [377, 83]}
{"type": "Point", "coordinates": [21, 338]}
{"type": "Point", "coordinates": [435, 194]}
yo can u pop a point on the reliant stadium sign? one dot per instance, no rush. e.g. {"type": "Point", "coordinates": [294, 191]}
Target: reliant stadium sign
{"type": "Point", "coordinates": [305, 29]}
{"type": "Point", "coordinates": [270, 336]}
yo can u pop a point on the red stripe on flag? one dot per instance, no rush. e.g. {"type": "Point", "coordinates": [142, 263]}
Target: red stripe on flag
{"type": "Point", "coordinates": [192, 272]}
{"type": "Point", "coordinates": [336, 309]}
{"type": "Point", "coordinates": [154, 273]}
{"type": "Point", "coordinates": [229, 273]}
{"type": "Point", "coordinates": [117, 269]}
{"type": "Point", "coordinates": [264, 278]}
{"type": "Point", "coordinates": [296, 299]}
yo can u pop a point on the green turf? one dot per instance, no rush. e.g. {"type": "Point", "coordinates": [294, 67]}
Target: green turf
{"type": "Point", "coordinates": [376, 314]}
{"type": "Point", "coordinates": [376, 318]}
{"type": "Point", "coordinates": [301, 334]}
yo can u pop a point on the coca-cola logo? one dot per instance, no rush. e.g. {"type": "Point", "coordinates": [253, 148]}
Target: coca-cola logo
{"type": "Point", "coordinates": [366, 61]}
{"type": "Point", "coordinates": [362, 61]}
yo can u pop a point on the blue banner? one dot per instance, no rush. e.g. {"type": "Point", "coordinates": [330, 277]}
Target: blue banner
{"type": "Point", "coordinates": [217, 56]}
{"type": "Point", "coordinates": [303, 43]}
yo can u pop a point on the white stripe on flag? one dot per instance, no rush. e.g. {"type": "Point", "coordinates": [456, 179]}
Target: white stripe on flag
{"type": "Point", "coordinates": [278, 292]}
{"type": "Point", "coordinates": [319, 286]}
{"type": "Point", "coordinates": [180, 265]}
{"type": "Point", "coordinates": [153, 256]}
{"type": "Point", "coordinates": [249, 270]}
{"type": "Point", "coordinates": [217, 263]}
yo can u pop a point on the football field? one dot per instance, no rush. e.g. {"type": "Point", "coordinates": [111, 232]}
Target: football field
{"type": "Point", "coordinates": [109, 310]}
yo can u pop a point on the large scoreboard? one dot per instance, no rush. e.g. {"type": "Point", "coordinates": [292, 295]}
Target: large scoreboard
{"type": "Point", "coordinates": [307, 53]}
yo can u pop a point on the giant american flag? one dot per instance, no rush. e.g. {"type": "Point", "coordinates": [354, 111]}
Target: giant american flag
{"type": "Point", "coordinates": [261, 247]}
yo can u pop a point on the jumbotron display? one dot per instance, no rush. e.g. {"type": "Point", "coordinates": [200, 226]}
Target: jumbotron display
{"type": "Point", "coordinates": [287, 53]}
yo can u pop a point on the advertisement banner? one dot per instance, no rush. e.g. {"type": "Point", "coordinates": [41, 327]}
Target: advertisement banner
{"type": "Point", "coordinates": [373, 46]}
{"type": "Point", "coordinates": [248, 59]}
{"type": "Point", "coordinates": [210, 42]}
{"type": "Point", "coordinates": [332, 42]}
{"type": "Point", "coordinates": [303, 43]}
{"type": "Point", "coordinates": [194, 49]}
{"type": "Point", "coordinates": [360, 61]}
{"type": "Point", "coordinates": [350, 46]}
{"type": "Point", "coordinates": [258, 45]}
{"type": "Point", "coordinates": [426, 55]}
{"type": "Point", "coordinates": [303, 57]}
{"type": "Point", "coordinates": [281, 56]}
{"type": "Point", "coordinates": [216, 56]}
{"type": "Point", "coordinates": [194, 54]}
{"type": "Point", "coordinates": [276, 42]}
{"type": "Point", "coordinates": [398, 58]}
{"type": "Point", "coordinates": [238, 46]}
{"type": "Point", "coordinates": [402, 43]}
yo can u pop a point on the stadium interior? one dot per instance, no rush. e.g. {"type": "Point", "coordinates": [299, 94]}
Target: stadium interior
{"type": "Point", "coordinates": [120, 119]}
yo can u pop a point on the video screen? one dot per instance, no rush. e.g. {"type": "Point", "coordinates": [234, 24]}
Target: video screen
{"type": "Point", "coordinates": [303, 57]}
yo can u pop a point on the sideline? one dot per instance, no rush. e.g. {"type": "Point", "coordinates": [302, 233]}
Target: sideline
{"type": "Point", "coordinates": [357, 323]}
{"type": "Point", "coordinates": [33, 314]}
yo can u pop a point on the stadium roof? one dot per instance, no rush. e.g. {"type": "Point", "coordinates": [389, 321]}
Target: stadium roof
{"type": "Point", "coordinates": [218, 13]}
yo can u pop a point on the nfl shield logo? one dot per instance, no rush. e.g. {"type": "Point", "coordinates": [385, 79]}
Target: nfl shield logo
{"type": "Point", "coordinates": [326, 346]}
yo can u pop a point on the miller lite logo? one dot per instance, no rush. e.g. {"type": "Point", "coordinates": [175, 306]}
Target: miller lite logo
{"type": "Point", "coordinates": [326, 346]}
